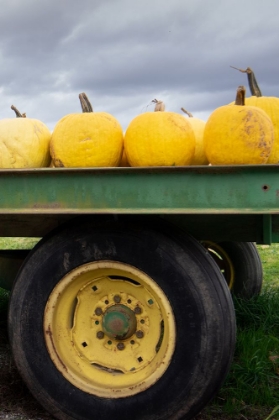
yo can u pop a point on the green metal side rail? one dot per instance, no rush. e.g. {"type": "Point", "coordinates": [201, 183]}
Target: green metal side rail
{"type": "Point", "coordinates": [180, 190]}
{"type": "Point", "coordinates": [236, 202]}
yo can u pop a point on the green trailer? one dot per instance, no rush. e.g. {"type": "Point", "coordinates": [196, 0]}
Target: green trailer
{"type": "Point", "coordinates": [123, 308]}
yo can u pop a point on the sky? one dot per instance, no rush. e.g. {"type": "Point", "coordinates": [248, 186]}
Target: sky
{"type": "Point", "coordinates": [123, 54]}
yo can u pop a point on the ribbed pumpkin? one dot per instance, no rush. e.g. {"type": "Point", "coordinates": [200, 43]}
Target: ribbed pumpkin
{"type": "Point", "coordinates": [270, 105]}
{"type": "Point", "coordinates": [87, 139]}
{"type": "Point", "coordinates": [24, 142]}
{"type": "Point", "coordinates": [159, 139]}
{"type": "Point", "coordinates": [238, 134]}
{"type": "Point", "coordinates": [198, 126]}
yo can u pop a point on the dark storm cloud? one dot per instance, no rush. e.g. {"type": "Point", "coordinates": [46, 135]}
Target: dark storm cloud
{"type": "Point", "coordinates": [124, 54]}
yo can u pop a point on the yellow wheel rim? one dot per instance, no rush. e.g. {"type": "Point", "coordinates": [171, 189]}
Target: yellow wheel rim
{"type": "Point", "coordinates": [223, 261]}
{"type": "Point", "coordinates": [109, 329]}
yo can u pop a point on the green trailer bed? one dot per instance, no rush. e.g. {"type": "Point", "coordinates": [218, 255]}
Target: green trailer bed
{"type": "Point", "coordinates": [243, 197]}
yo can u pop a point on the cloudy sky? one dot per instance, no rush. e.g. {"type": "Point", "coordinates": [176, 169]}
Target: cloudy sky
{"type": "Point", "coordinates": [123, 54]}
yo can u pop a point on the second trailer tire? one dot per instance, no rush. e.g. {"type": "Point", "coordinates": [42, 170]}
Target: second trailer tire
{"type": "Point", "coordinates": [116, 320]}
{"type": "Point", "coordinates": [240, 264]}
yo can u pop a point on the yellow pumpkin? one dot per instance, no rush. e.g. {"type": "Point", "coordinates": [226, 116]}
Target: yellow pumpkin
{"type": "Point", "coordinates": [198, 126]}
{"type": "Point", "coordinates": [159, 139]}
{"type": "Point", "coordinates": [87, 139]}
{"type": "Point", "coordinates": [270, 105]}
{"type": "Point", "coordinates": [238, 134]}
{"type": "Point", "coordinates": [24, 142]}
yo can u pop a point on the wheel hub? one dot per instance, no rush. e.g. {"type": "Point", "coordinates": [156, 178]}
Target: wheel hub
{"type": "Point", "coordinates": [119, 322]}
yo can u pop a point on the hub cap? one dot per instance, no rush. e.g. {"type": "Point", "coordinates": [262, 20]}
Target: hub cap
{"type": "Point", "coordinates": [119, 322]}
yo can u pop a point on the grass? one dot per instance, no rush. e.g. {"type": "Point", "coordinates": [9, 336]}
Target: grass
{"type": "Point", "coordinates": [18, 243]}
{"type": "Point", "coordinates": [254, 376]}
{"type": "Point", "coordinates": [270, 261]}
{"type": "Point", "coordinates": [251, 390]}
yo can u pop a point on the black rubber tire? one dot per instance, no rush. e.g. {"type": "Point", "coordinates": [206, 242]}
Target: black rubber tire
{"type": "Point", "coordinates": [201, 302]}
{"type": "Point", "coordinates": [247, 267]}
{"type": "Point", "coordinates": [241, 265]}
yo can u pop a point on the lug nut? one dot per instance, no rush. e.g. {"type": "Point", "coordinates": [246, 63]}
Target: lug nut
{"type": "Point", "coordinates": [137, 310]}
{"type": "Point", "coordinates": [139, 334]}
{"type": "Point", "coordinates": [100, 334]}
{"type": "Point", "coordinates": [117, 299]}
{"type": "Point", "coordinates": [120, 346]}
{"type": "Point", "coordinates": [98, 311]}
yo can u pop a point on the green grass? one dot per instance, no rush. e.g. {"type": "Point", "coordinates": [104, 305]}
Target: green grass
{"type": "Point", "coordinates": [18, 243]}
{"type": "Point", "coordinates": [270, 261]}
{"type": "Point", "coordinates": [251, 389]}
{"type": "Point", "coordinates": [254, 376]}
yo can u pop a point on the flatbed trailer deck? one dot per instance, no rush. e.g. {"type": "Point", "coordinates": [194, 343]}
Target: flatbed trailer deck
{"type": "Point", "coordinates": [29, 196]}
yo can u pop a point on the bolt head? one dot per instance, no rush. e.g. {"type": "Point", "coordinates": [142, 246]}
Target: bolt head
{"type": "Point", "coordinates": [120, 346]}
{"type": "Point", "coordinates": [100, 334]}
{"type": "Point", "coordinates": [98, 311]}
{"type": "Point", "coordinates": [139, 334]}
{"type": "Point", "coordinates": [137, 310]}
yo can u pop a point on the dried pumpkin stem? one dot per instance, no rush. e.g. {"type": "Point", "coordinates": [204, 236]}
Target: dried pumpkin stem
{"type": "Point", "coordinates": [159, 105]}
{"type": "Point", "coordinates": [18, 114]}
{"type": "Point", "coordinates": [85, 103]}
{"type": "Point", "coordinates": [253, 84]}
{"type": "Point", "coordinates": [240, 96]}
{"type": "Point", "coordinates": [187, 112]}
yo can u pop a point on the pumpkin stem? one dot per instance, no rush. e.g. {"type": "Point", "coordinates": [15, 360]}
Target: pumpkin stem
{"type": "Point", "coordinates": [18, 114]}
{"type": "Point", "coordinates": [240, 96]}
{"type": "Point", "coordinates": [85, 103]}
{"type": "Point", "coordinates": [253, 84]}
{"type": "Point", "coordinates": [159, 105]}
{"type": "Point", "coordinates": [187, 112]}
